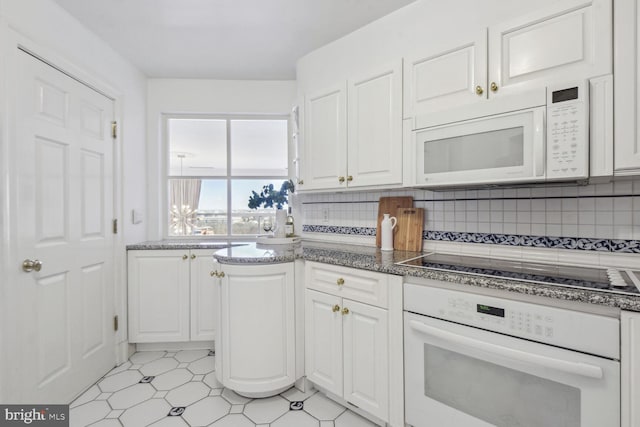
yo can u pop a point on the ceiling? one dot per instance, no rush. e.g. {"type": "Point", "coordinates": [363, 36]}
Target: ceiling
{"type": "Point", "coordinates": [223, 39]}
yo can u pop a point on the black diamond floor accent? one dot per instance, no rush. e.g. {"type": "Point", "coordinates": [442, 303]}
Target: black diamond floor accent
{"type": "Point", "coordinates": [296, 406]}
{"type": "Point", "coordinates": [176, 411]}
{"type": "Point", "coordinates": [146, 379]}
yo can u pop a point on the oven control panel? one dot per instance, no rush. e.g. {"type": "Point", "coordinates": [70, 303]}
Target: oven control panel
{"type": "Point", "coordinates": [568, 131]}
{"type": "Point", "coordinates": [576, 330]}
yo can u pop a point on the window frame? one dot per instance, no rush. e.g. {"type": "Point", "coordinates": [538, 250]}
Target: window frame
{"type": "Point", "coordinates": [165, 117]}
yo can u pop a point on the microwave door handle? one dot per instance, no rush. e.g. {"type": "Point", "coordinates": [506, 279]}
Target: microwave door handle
{"type": "Point", "coordinates": [539, 138]}
{"type": "Point", "coordinates": [577, 368]}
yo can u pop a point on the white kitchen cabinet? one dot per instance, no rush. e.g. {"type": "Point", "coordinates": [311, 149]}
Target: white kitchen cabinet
{"type": "Point", "coordinates": [325, 139]}
{"type": "Point", "coordinates": [358, 147]}
{"type": "Point", "coordinates": [630, 369]}
{"type": "Point", "coordinates": [171, 296]}
{"type": "Point", "coordinates": [348, 337]}
{"type": "Point", "coordinates": [566, 42]}
{"type": "Point", "coordinates": [627, 87]}
{"type": "Point", "coordinates": [446, 75]}
{"type": "Point", "coordinates": [256, 334]}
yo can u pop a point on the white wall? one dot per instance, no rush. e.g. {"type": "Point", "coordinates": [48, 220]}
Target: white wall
{"type": "Point", "coordinates": [171, 96]}
{"type": "Point", "coordinates": [425, 23]}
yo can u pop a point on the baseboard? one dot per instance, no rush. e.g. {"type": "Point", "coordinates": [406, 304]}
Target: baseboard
{"type": "Point", "coordinates": [175, 346]}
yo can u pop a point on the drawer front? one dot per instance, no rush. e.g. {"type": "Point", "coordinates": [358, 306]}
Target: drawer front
{"type": "Point", "coordinates": [359, 285]}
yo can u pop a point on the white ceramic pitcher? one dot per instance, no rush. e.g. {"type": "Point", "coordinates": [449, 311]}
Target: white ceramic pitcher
{"type": "Point", "coordinates": [388, 224]}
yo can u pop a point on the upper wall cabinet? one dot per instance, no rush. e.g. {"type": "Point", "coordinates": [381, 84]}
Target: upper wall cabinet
{"type": "Point", "coordinates": [568, 41]}
{"type": "Point", "coordinates": [627, 87]}
{"type": "Point", "coordinates": [356, 147]}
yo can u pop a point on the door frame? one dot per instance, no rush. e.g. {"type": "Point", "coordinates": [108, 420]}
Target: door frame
{"type": "Point", "coordinates": [12, 40]}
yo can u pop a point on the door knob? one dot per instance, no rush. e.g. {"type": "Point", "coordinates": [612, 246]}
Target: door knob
{"type": "Point", "coordinates": [341, 179]}
{"type": "Point", "coordinates": [185, 256]}
{"type": "Point", "coordinates": [193, 256]}
{"type": "Point", "coordinates": [336, 308]}
{"type": "Point", "coordinates": [30, 265]}
{"type": "Point", "coordinates": [494, 87]}
{"type": "Point", "coordinates": [479, 90]}
{"type": "Point", "coordinates": [345, 311]}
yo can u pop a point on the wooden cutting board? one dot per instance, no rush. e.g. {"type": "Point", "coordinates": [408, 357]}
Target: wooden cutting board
{"type": "Point", "coordinates": [408, 236]}
{"type": "Point", "coordinates": [390, 205]}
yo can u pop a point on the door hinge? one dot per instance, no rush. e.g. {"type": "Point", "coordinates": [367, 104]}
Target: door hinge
{"type": "Point", "coordinates": [115, 323]}
{"type": "Point", "coordinates": [115, 226]}
{"type": "Point", "coordinates": [114, 130]}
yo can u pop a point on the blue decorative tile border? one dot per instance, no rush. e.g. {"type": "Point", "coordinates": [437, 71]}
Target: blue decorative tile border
{"type": "Point", "coordinates": [334, 229]}
{"type": "Point", "coordinates": [578, 243]}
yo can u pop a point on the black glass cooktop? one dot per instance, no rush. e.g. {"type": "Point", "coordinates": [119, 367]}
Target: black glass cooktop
{"type": "Point", "coordinates": [572, 276]}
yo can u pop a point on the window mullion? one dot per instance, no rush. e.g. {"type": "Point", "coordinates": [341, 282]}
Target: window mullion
{"type": "Point", "coordinates": [229, 198]}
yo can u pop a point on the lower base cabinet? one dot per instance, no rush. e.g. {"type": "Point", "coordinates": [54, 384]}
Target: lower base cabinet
{"type": "Point", "coordinates": [171, 295]}
{"type": "Point", "coordinates": [255, 342]}
{"type": "Point", "coordinates": [346, 351]}
{"type": "Point", "coordinates": [630, 367]}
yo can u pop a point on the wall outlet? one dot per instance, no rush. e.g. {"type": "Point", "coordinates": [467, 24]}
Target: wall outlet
{"type": "Point", "coordinates": [325, 215]}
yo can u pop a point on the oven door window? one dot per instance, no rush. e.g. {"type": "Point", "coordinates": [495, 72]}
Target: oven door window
{"type": "Point", "coordinates": [495, 394]}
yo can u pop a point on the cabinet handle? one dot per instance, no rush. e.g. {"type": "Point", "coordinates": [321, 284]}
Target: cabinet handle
{"type": "Point", "coordinates": [185, 256]}
{"type": "Point", "coordinates": [494, 87]}
{"type": "Point", "coordinates": [340, 281]}
{"type": "Point", "coordinates": [193, 256]}
{"type": "Point", "coordinates": [336, 308]}
{"type": "Point", "coordinates": [345, 311]}
{"type": "Point", "coordinates": [479, 90]}
{"type": "Point", "coordinates": [341, 179]}
{"type": "Point", "coordinates": [349, 178]}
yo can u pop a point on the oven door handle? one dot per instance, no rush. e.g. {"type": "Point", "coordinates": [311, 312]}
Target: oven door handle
{"type": "Point", "coordinates": [577, 368]}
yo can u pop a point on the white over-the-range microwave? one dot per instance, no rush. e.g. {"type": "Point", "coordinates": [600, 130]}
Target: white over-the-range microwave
{"type": "Point", "coordinates": [563, 132]}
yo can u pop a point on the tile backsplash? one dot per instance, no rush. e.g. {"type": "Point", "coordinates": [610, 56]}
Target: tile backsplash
{"type": "Point", "coordinates": [593, 212]}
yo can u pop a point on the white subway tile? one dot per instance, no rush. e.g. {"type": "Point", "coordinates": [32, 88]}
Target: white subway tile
{"type": "Point", "coordinates": [604, 218]}
{"type": "Point", "coordinates": [622, 217]}
{"type": "Point", "coordinates": [623, 187]}
{"type": "Point", "coordinates": [586, 230]}
{"type": "Point", "coordinates": [510, 216]}
{"type": "Point", "coordinates": [586, 217]}
{"type": "Point", "coordinates": [510, 205]}
{"type": "Point", "coordinates": [538, 205]}
{"type": "Point", "coordinates": [623, 203]}
{"type": "Point", "coordinates": [569, 230]}
{"type": "Point", "coordinates": [538, 229]}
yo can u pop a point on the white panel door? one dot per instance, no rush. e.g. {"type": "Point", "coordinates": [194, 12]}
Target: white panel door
{"type": "Point", "coordinates": [366, 358]}
{"type": "Point", "coordinates": [323, 340]}
{"type": "Point", "coordinates": [61, 337]}
{"type": "Point", "coordinates": [567, 41]}
{"type": "Point", "coordinates": [258, 327]}
{"type": "Point", "coordinates": [325, 140]}
{"type": "Point", "coordinates": [446, 76]}
{"type": "Point", "coordinates": [374, 134]}
{"type": "Point", "coordinates": [158, 295]}
{"type": "Point", "coordinates": [203, 295]}
{"type": "Point", "coordinates": [627, 87]}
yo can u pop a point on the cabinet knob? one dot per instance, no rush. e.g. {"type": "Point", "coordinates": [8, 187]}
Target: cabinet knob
{"type": "Point", "coordinates": [300, 181]}
{"type": "Point", "coordinates": [221, 274]}
{"type": "Point", "coordinates": [185, 256]}
{"type": "Point", "coordinates": [479, 90]}
{"type": "Point", "coordinates": [214, 273]}
{"type": "Point", "coordinates": [341, 179]}
{"type": "Point", "coordinates": [494, 87]}
{"type": "Point", "coordinates": [340, 281]}
{"type": "Point", "coordinates": [193, 256]}
{"type": "Point", "coordinates": [345, 311]}
{"type": "Point", "coordinates": [349, 178]}
{"type": "Point", "coordinates": [336, 308]}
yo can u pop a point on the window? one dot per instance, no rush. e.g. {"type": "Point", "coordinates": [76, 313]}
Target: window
{"type": "Point", "coordinates": [213, 165]}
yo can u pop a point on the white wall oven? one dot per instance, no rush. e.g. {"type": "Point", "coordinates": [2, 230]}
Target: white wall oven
{"type": "Point", "coordinates": [478, 361]}
{"type": "Point", "coordinates": [542, 135]}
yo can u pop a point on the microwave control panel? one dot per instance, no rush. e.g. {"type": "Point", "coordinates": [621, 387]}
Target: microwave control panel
{"type": "Point", "coordinates": [568, 131]}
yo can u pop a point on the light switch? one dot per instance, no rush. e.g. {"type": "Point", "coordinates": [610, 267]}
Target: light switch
{"type": "Point", "coordinates": [136, 216]}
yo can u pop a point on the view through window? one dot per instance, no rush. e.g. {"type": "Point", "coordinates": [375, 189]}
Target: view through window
{"type": "Point", "coordinates": [214, 164]}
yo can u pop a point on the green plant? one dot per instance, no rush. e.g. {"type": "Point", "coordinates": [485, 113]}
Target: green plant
{"type": "Point", "coordinates": [269, 197]}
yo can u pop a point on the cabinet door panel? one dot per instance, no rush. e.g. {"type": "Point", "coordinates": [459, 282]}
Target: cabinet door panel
{"type": "Point", "coordinates": [325, 139]}
{"type": "Point", "coordinates": [323, 341]}
{"type": "Point", "coordinates": [375, 127]}
{"type": "Point", "coordinates": [627, 87]}
{"type": "Point", "coordinates": [203, 296]}
{"type": "Point", "coordinates": [366, 360]}
{"type": "Point", "coordinates": [258, 333]}
{"type": "Point", "coordinates": [568, 41]}
{"type": "Point", "coordinates": [446, 77]}
{"type": "Point", "coordinates": [158, 296]}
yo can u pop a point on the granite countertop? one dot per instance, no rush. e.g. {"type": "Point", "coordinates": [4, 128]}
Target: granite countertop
{"type": "Point", "coordinates": [373, 259]}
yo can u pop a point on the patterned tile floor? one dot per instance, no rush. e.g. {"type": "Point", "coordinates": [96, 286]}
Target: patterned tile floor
{"type": "Point", "coordinates": [179, 389]}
